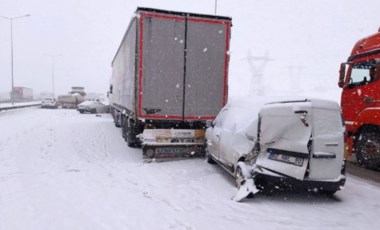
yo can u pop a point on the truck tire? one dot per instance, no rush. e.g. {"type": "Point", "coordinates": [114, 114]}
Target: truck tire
{"type": "Point", "coordinates": [129, 135]}
{"type": "Point", "coordinates": [117, 120]}
{"type": "Point", "coordinates": [367, 148]}
{"type": "Point", "coordinates": [123, 127]}
{"type": "Point", "coordinates": [130, 138]}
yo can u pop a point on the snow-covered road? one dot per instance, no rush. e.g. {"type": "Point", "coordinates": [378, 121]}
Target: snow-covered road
{"type": "Point", "coordinates": [63, 170]}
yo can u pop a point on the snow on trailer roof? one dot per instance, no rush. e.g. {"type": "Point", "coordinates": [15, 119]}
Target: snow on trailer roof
{"type": "Point", "coordinates": [185, 14]}
{"type": "Point", "coordinates": [182, 13]}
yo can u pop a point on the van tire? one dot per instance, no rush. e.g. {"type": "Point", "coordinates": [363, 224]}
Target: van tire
{"type": "Point", "coordinates": [241, 173]}
{"type": "Point", "coordinates": [209, 157]}
{"type": "Point", "coordinates": [239, 177]}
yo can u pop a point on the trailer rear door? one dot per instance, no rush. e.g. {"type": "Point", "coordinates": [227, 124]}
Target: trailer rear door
{"type": "Point", "coordinates": [161, 61]}
{"type": "Point", "coordinates": [206, 67]}
{"type": "Point", "coordinates": [182, 65]}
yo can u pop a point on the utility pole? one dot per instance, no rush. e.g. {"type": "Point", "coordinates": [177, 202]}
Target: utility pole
{"type": "Point", "coordinates": [11, 22]}
{"type": "Point", "coordinates": [216, 6]}
{"type": "Point", "coordinates": [52, 71]}
{"type": "Point", "coordinates": [256, 86]}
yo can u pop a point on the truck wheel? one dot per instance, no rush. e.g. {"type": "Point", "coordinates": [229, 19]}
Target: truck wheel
{"type": "Point", "coordinates": [129, 137]}
{"type": "Point", "coordinates": [367, 148]}
{"type": "Point", "coordinates": [117, 120]}
{"type": "Point", "coordinates": [123, 127]}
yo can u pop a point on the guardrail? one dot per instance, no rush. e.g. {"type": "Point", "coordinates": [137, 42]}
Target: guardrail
{"type": "Point", "coordinates": [19, 106]}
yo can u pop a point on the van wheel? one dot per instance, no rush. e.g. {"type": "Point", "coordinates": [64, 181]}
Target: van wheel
{"type": "Point", "coordinates": [241, 174]}
{"type": "Point", "coordinates": [209, 157]}
{"type": "Point", "coordinates": [239, 177]}
{"type": "Point", "coordinates": [367, 148]}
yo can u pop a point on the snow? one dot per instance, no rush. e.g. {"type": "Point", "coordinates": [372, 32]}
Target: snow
{"type": "Point", "coordinates": [61, 170]}
{"type": "Point", "coordinates": [8, 105]}
{"type": "Point", "coordinates": [88, 103]}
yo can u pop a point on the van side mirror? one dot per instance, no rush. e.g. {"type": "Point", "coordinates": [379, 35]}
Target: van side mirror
{"type": "Point", "coordinates": [342, 74]}
{"type": "Point", "coordinates": [209, 123]}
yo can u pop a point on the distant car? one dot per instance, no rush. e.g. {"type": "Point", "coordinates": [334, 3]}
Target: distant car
{"type": "Point", "coordinates": [92, 107]}
{"type": "Point", "coordinates": [295, 142]}
{"type": "Point", "coordinates": [49, 102]}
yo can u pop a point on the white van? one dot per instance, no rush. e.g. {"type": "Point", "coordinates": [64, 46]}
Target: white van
{"type": "Point", "coordinates": [292, 142]}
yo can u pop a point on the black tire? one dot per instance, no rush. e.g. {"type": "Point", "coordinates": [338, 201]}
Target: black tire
{"type": "Point", "coordinates": [209, 157]}
{"type": "Point", "coordinates": [129, 135]}
{"type": "Point", "coordinates": [130, 138]}
{"type": "Point", "coordinates": [367, 148]}
{"type": "Point", "coordinates": [123, 127]}
{"type": "Point", "coordinates": [117, 120]}
{"type": "Point", "coordinates": [81, 111]}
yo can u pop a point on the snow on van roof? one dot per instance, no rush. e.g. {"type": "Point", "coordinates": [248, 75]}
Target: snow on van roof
{"type": "Point", "coordinates": [258, 101]}
{"type": "Point", "coordinates": [243, 113]}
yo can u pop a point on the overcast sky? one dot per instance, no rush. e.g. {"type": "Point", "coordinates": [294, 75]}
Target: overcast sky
{"type": "Point", "coordinates": [305, 40]}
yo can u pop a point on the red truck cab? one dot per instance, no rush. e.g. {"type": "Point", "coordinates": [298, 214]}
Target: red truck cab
{"type": "Point", "coordinates": [360, 101]}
